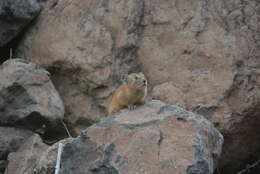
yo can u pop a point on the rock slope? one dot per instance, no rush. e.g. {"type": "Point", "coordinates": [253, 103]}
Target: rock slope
{"type": "Point", "coordinates": [155, 138]}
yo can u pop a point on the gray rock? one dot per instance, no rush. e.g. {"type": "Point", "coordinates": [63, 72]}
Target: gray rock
{"type": "Point", "coordinates": [24, 160]}
{"type": "Point", "coordinates": [15, 15]}
{"type": "Point", "coordinates": [28, 98]}
{"type": "Point", "coordinates": [3, 165]}
{"type": "Point", "coordinates": [11, 139]}
{"type": "Point", "coordinates": [154, 138]}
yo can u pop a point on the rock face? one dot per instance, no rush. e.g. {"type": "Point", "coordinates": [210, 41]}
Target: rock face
{"type": "Point", "coordinates": [11, 139]}
{"type": "Point", "coordinates": [202, 55]}
{"type": "Point", "coordinates": [15, 15]}
{"type": "Point", "coordinates": [155, 138]}
{"type": "Point", "coordinates": [28, 98]}
{"type": "Point", "coordinates": [169, 93]}
{"type": "Point", "coordinates": [24, 160]}
{"type": "Point", "coordinates": [88, 54]}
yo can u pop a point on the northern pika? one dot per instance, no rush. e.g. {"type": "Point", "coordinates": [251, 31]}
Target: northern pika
{"type": "Point", "coordinates": [132, 92]}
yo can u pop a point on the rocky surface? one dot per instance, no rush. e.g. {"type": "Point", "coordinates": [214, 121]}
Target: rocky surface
{"type": "Point", "coordinates": [154, 138]}
{"type": "Point", "coordinates": [11, 139]}
{"type": "Point", "coordinates": [26, 158]}
{"type": "Point", "coordinates": [28, 98]}
{"type": "Point", "coordinates": [169, 93]}
{"type": "Point", "coordinates": [202, 55]}
{"type": "Point", "coordinates": [15, 15]}
{"type": "Point", "coordinates": [86, 55]}
{"type": "Point", "coordinates": [47, 161]}
{"type": "Point", "coordinates": [3, 164]}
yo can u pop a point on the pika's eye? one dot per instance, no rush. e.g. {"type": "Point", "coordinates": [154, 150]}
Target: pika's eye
{"type": "Point", "coordinates": [136, 77]}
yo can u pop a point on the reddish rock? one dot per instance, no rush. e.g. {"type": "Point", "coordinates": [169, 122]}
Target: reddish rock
{"type": "Point", "coordinates": [154, 138]}
{"type": "Point", "coordinates": [204, 55]}
{"type": "Point", "coordinates": [87, 46]}
{"type": "Point", "coordinates": [169, 93]}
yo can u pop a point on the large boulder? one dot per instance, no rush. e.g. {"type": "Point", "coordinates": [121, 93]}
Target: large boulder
{"type": "Point", "coordinates": [87, 46]}
{"type": "Point", "coordinates": [28, 98]}
{"type": "Point", "coordinates": [204, 55]}
{"type": "Point", "coordinates": [155, 138]}
{"type": "Point", "coordinates": [15, 15]}
{"type": "Point", "coordinates": [11, 139]}
{"type": "Point", "coordinates": [24, 160]}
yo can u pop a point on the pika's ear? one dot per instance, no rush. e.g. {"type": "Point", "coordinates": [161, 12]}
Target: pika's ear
{"type": "Point", "coordinates": [124, 78]}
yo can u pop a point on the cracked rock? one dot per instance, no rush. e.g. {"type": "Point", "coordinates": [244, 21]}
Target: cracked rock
{"type": "Point", "coordinates": [28, 98]}
{"type": "Point", "coordinates": [89, 54]}
{"type": "Point", "coordinates": [149, 139]}
{"type": "Point", "coordinates": [26, 158]}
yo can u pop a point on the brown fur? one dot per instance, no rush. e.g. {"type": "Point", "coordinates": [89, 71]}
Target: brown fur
{"type": "Point", "coordinates": [129, 94]}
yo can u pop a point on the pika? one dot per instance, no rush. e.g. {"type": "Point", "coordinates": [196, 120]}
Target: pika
{"type": "Point", "coordinates": [130, 93]}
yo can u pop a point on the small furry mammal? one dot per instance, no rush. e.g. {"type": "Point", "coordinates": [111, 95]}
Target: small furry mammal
{"type": "Point", "coordinates": [132, 92]}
